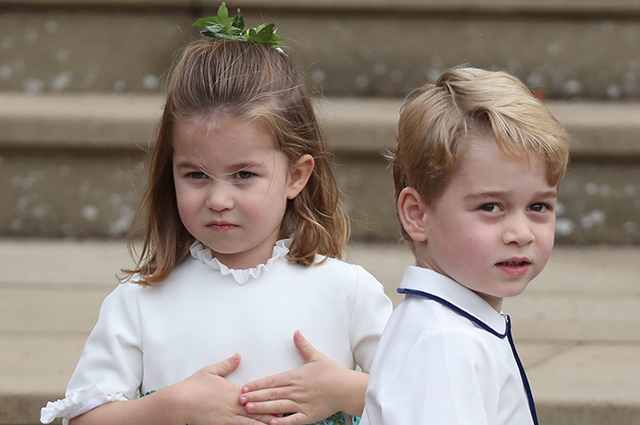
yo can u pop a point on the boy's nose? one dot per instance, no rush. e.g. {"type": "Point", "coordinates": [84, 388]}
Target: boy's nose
{"type": "Point", "coordinates": [518, 231]}
{"type": "Point", "coordinates": [219, 197]}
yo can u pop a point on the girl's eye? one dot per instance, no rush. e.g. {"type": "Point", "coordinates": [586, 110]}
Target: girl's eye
{"type": "Point", "coordinates": [492, 208]}
{"type": "Point", "coordinates": [197, 175]}
{"type": "Point", "coordinates": [540, 208]}
{"type": "Point", "coordinates": [244, 175]}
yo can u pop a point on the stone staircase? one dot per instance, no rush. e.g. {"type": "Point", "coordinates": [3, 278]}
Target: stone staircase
{"type": "Point", "coordinates": [81, 86]}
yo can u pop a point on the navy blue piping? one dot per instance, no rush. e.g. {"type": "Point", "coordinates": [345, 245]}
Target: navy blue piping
{"type": "Point", "coordinates": [455, 308]}
{"type": "Point", "coordinates": [523, 375]}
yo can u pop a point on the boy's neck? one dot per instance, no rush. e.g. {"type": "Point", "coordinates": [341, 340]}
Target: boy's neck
{"type": "Point", "coordinates": [494, 302]}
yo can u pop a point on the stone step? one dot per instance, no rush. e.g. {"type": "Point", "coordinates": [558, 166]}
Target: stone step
{"type": "Point", "coordinates": [568, 49]}
{"type": "Point", "coordinates": [575, 326]}
{"type": "Point", "coordinates": [73, 165]}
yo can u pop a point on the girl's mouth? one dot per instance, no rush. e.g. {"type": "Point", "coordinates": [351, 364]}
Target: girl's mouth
{"type": "Point", "coordinates": [222, 227]}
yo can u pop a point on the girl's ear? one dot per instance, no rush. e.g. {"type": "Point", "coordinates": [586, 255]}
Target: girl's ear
{"type": "Point", "coordinates": [412, 212]}
{"type": "Point", "coordinates": [299, 174]}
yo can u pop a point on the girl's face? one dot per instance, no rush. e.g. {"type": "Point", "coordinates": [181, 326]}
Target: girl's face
{"type": "Point", "coordinates": [232, 187]}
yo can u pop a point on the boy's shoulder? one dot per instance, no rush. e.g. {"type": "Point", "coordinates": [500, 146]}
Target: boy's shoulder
{"type": "Point", "coordinates": [425, 328]}
{"type": "Point", "coordinates": [451, 298]}
{"type": "Point", "coordinates": [437, 310]}
{"type": "Point", "coordinates": [425, 322]}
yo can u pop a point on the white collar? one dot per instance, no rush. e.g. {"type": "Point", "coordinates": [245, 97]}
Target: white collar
{"type": "Point", "coordinates": [203, 254]}
{"type": "Point", "coordinates": [433, 283]}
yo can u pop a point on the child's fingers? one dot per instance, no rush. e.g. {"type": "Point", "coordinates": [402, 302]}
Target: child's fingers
{"type": "Point", "coordinates": [276, 407]}
{"type": "Point", "coordinates": [224, 367]}
{"type": "Point", "coordinates": [255, 419]}
{"type": "Point", "coordinates": [307, 351]}
{"type": "Point", "coordinates": [271, 394]}
{"type": "Point", "coordinates": [283, 379]}
{"type": "Point", "coordinates": [295, 419]}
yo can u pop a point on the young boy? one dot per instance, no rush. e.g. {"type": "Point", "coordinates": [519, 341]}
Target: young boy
{"type": "Point", "coordinates": [477, 169]}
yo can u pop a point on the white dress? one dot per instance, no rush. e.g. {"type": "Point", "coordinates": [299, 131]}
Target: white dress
{"type": "Point", "coordinates": [149, 337]}
{"type": "Point", "coordinates": [445, 358]}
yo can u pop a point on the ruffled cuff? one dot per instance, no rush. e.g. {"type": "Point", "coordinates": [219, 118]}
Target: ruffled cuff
{"type": "Point", "coordinates": [75, 404]}
{"type": "Point", "coordinates": [203, 254]}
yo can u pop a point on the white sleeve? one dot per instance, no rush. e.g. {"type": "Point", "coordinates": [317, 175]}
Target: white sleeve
{"type": "Point", "coordinates": [110, 368]}
{"type": "Point", "coordinates": [371, 311]}
{"type": "Point", "coordinates": [440, 380]}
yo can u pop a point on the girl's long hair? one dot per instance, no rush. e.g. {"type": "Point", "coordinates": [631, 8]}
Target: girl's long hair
{"type": "Point", "coordinates": [244, 80]}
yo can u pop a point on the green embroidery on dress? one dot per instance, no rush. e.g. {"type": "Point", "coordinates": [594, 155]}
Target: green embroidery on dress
{"type": "Point", "coordinates": [147, 393]}
{"type": "Point", "coordinates": [338, 419]}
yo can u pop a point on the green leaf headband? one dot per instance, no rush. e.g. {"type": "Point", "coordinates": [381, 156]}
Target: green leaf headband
{"type": "Point", "coordinates": [222, 26]}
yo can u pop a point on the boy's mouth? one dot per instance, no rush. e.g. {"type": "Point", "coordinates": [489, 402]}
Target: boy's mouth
{"type": "Point", "coordinates": [514, 267]}
{"type": "Point", "coordinates": [513, 263]}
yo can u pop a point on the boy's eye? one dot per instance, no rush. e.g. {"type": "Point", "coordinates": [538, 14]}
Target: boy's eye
{"type": "Point", "coordinates": [244, 175]}
{"type": "Point", "coordinates": [540, 207]}
{"type": "Point", "coordinates": [493, 208]}
{"type": "Point", "coordinates": [197, 175]}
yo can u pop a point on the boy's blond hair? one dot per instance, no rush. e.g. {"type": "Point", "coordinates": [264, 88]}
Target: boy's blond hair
{"type": "Point", "coordinates": [437, 119]}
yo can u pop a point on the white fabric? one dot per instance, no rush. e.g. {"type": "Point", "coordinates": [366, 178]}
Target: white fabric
{"type": "Point", "coordinates": [436, 367]}
{"type": "Point", "coordinates": [149, 337]}
{"type": "Point", "coordinates": [280, 250]}
{"type": "Point", "coordinates": [78, 402]}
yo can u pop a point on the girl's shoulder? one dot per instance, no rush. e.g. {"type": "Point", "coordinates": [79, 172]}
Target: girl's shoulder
{"type": "Point", "coordinates": [331, 264]}
{"type": "Point", "coordinates": [339, 271]}
{"type": "Point", "coordinates": [132, 286]}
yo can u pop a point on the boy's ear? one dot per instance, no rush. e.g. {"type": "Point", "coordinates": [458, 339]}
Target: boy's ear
{"type": "Point", "coordinates": [299, 174]}
{"type": "Point", "coordinates": [412, 212]}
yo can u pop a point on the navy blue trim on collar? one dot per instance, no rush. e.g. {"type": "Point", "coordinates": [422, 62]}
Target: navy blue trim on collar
{"type": "Point", "coordinates": [523, 375]}
{"type": "Point", "coordinates": [454, 308]}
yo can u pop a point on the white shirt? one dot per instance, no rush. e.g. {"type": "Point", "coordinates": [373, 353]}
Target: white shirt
{"type": "Point", "coordinates": [444, 358]}
{"type": "Point", "coordinates": [149, 337]}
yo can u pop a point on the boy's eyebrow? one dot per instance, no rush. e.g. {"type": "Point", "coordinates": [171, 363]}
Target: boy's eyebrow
{"type": "Point", "coordinates": [549, 194]}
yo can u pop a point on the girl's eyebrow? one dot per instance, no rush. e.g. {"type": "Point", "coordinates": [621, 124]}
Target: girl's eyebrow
{"type": "Point", "coordinates": [187, 163]}
{"type": "Point", "coordinates": [244, 165]}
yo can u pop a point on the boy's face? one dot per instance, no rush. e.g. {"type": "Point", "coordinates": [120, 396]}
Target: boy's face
{"type": "Point", "coordinates": [493, 228]}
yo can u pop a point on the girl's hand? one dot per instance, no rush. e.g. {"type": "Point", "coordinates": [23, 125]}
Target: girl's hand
{"type": "Point", "coordinates": [204, 398]}
{"type": "Point", "coordinates": [309, 393]}
{"type": "Point", "coordinates": [207, 398]}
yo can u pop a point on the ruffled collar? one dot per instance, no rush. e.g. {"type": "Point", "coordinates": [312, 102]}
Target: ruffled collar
{"type": "Point", "coordinates": [203, 254]}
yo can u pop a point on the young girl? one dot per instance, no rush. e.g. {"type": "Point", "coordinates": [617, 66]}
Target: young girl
{"type": "Point", "coordinates": [243, 232]}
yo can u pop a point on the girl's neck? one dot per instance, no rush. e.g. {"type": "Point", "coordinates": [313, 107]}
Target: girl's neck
{"type": "Point", "coordinates": [249, 259]}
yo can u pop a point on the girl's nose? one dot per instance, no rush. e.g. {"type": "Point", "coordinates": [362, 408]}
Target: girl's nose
{"type": "Point", "coordinates": [219, 196]}
{"type": "Point", "coordinates": [519, 231]}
